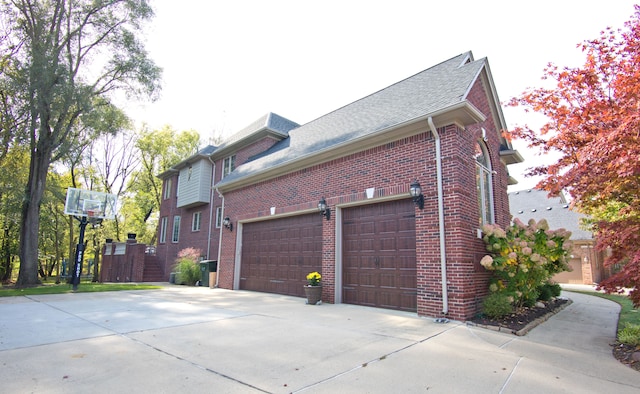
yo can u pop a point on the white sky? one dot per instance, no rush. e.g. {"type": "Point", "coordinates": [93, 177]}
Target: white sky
{"type": "Point", "coordinates": [226, 63]}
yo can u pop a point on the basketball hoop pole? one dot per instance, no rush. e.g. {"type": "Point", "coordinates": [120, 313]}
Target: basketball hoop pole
{"type": "Point", "coordinates": [77, 266]}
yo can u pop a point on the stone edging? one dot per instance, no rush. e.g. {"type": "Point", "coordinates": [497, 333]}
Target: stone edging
{"type": "Point", "coordinates": [523, 331]}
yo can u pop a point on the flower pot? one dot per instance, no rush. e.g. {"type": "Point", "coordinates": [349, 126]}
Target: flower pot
{"type": "Point", "coordinates": [314, 294]}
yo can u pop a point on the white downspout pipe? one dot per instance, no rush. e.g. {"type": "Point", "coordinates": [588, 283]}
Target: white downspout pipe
{"type": "Point", "coordinates": [211, 206]}
{"type": "Point", "coordinates": [219, 239]}
{"type": "Point", "coordinates": [443, 254]}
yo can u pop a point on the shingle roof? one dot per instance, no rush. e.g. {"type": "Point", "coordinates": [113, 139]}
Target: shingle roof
{"type": "Point", "coordinates": [437, 88]}
{"type": "Point", "coordinates": [271, 122]}
{"type": "Point", "coordinates": [534, 204]}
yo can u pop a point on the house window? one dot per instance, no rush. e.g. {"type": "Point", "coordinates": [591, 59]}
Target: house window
{"type": "Point", "coordinates": [228, 165]}
{"type": "Point", "coordinates": [167, 189]}
{"type": "Point", "coordinates": [163, 230]}
{"type": "Point", "coordinates": [176, 229]}
{"type": "Point", "coordinates": [483, 185]}
{"type": "Point", "coordinates": [196, 221]}
{"type": "Point", "coordinates": [218, 217]}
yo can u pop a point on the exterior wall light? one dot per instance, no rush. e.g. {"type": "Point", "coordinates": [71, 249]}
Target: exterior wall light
{"type": "Point", "coordinates": [324, 209]}
{"type": "Point", "coordinates": [416, 192]}
{"type": "Point", "coordinates": [227, 223]}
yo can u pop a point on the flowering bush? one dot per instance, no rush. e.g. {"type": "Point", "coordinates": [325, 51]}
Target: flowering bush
{"type": "Point", "coordinates": [524, 258]}
{"type": "Point", "coordinates": [313, 278]}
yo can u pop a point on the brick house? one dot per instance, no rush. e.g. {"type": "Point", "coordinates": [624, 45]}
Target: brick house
{"type": "Point", "coordinates": [587, 263]}
{"type": "Point", "coordinates": [375, 245]}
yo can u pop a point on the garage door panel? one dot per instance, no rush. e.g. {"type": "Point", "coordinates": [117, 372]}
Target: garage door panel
{"type": "Point", "coordinates": [379, 261]}
{"type": "Point", "coordinates": [278, 254]}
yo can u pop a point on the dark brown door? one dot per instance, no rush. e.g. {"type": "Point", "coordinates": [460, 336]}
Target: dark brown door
{"type": "Point", "coordinates": [379, 255]}
{"type": "Point", "coordinates": [278, 254]}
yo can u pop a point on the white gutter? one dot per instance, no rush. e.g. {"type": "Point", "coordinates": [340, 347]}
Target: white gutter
{"type": "Point", "coordinates": [219, 240]}
{"type": "Point", "coordinates": [443, 254]}
{"type": "Point", "coordinates": [213, 183]}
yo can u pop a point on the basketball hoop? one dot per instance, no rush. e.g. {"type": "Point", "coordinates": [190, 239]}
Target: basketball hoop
{"type": "Point", "coordinates": [93, 217]}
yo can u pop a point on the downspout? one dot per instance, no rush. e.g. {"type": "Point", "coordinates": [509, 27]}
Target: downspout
{"type": "Point", "coordinates": [213, 183]}
{"type": "Point", "coordinates": [443, 254]}
{"type": "Point", "coordinates": [219, 239]}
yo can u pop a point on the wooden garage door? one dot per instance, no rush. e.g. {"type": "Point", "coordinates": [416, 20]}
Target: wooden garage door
{"type": "Point", "coordinates": [379, 255]}
{"type": "Point", "coordinates": [278, 254]}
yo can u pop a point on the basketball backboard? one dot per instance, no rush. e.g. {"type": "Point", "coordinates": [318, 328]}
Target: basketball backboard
{"type": "Point", "coordinates": [90, 203]}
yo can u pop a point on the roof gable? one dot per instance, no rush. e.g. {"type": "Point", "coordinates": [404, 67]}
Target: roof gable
{"type": "Point", "coordinates": [268, 124]}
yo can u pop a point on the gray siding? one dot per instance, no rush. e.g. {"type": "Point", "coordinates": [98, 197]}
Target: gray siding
{"type": "Point", "coordinates": [195, 184]}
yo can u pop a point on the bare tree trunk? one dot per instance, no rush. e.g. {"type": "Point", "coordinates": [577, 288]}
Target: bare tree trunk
{"type": "Point", "coordinates": [28, 273]}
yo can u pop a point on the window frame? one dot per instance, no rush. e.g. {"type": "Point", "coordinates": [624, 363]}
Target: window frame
{"type": "Point", "coordinates": [175, 233]}
{"type": "Point", "coordinates": [167, 188]}
{"type": "Point", "coordinates": [196, 221]}
{"type": "Point", "coordinates": [484, 185]}
{"type": "Point", "coordinates": [218, 217]}
{"type": "Point", "coordinates": [163, 230]}
{"type": "Point", "coordinates": [228, 165]}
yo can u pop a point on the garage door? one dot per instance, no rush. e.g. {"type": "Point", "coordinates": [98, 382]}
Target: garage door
{"type": "Point", "coordinates": [278, 254]}
{"type": "Point", "coordinates": [574, 276]}
{"type": "Point", "coordinates": [379, 255]}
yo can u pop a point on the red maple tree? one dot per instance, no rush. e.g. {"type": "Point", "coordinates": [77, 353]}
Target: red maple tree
{"type": "Point", "coordinates": [593, 122]}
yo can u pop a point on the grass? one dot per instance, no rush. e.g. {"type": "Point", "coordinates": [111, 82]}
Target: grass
{"type": "Point", "coordinates": [83, 287]}
{"type": "Point", "coordinates": [629, 320]}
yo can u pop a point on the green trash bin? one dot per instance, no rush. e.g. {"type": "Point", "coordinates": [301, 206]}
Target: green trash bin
{"type": "Point", "coordinates": [207, 267]}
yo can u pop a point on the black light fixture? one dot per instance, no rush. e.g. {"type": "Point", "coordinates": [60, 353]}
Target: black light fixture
{"type": "Point", "coordinates": [324, 209]}
{"type": "Point", "coordinates": [416, 192]}
{"type": "Point", "coordinates": [227, 223]}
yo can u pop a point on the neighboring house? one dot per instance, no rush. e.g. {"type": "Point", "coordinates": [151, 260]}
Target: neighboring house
{"type": "Point", "coordinates": [376, 245]}
{"type": "Point", "coordinates": [586, 263]}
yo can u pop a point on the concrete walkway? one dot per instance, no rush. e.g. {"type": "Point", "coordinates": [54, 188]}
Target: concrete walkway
{"type": "Point", "coordinates": [186, 339]}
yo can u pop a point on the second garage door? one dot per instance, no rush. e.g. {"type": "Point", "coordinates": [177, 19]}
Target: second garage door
{"type": "Point", "coordinates": [379, 255]}
{"type": "Point", "coordinates": [278, 254]}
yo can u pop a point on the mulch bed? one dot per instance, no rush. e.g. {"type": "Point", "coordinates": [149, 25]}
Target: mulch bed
{"type": "Point", "coordinates": [524, 319]}
{"type": "Point", "coordinates": [520, 322]}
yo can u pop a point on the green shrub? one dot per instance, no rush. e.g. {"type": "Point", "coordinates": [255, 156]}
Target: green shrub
{"type": "Point", "coordinates": [188, 273]}
{"type": "Point", "coordinates": [545, 292]}
{"type": "Point", "coordinates": [555, 289]}
{"type": "Point", "coordinates": [630, 335]}
{"type": "Point", "coordinates": [187, 267]}
{"type": "Point", "coordinates": [548, 291]}
{"type": "Point", "coordinates": [497, 305]}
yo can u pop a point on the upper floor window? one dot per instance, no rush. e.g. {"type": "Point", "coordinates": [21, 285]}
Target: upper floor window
{"type": "Point", "coordinates": [484, 185]}
{"type": "Point", "coordinates": [196, 221]}
{"type": "Point", "coordinates": [167, 189]}
{"type": "Point", "coordinates": [228, 165]}
{"type": "Point", "coordinates": [163, 230]}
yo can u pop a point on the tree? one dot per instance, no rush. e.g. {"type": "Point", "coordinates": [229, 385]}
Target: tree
{"type": "Point", "coordinates": [160, 149]}
{"type": "Point", "coordinates": [69, 56]}
{"type": "Point", "coordinates": [594, 124]}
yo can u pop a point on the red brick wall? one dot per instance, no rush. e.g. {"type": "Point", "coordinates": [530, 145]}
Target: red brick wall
{"type": "Point", "coordinates": [167, 252]}
{"type": "Point", "coordinates": [390, 168]}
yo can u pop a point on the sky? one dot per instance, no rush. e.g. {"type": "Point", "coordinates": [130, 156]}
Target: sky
{"type": "Point", "coordinates": [226, 63]}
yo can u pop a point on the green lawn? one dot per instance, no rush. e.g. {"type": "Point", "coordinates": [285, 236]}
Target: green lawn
{"type": "Point", "coordinates": [83, 287]}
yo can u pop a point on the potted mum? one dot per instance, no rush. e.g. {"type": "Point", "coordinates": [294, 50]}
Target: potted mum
{"type": "Point", "coordinates": [313, 288]}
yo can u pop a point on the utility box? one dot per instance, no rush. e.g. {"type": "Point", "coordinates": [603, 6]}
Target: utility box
{"type": "Point", "coordinates": [208, 271]}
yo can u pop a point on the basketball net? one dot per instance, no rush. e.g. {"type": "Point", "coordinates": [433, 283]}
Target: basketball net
{"type": "Point", "coordinates": [92, 216]}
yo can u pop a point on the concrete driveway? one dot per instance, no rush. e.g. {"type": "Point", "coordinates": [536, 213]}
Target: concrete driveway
{"type": "Point", "coordinates": [186, 339]}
